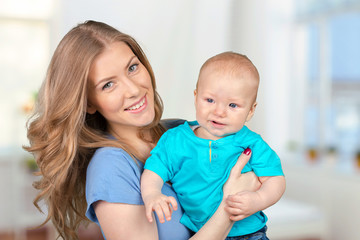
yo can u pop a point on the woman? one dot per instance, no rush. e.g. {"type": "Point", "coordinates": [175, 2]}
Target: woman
{"type": "Point", "coordinates": [96, 120]}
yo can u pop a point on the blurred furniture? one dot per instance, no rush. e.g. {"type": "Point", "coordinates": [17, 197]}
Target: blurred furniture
{"type": "Point", "coordinates": [329, 186]}
{"type": "Point", "coordinates": [16, 206]}
{"type": "Point", "coordinates": [290, 219]}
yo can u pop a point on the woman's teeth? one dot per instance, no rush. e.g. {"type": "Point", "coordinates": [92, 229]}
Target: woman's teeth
{"type": "Point", "coordinates": [137, 105]}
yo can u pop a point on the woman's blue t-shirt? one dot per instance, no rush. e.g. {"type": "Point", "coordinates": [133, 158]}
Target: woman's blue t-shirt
{"type": "Point", "coordinates": [113, 176]}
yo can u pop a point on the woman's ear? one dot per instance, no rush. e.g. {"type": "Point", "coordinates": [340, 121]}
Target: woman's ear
{"type": "Point", "coordinates": [90, 108]}
{"type": "Point", "coordinates": [251, 112]}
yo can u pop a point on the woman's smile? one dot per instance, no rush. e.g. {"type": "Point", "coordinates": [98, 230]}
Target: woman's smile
{"type": "Point", "coordinates": [138, 106]}
{"type": "Point", "coordinates": [127, 100]}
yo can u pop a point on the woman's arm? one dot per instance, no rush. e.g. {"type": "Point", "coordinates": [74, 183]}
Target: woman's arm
{"type": "Point", "coordinates": [220, 224]}
{"type": "Point", "coordinates": [246, 203]}
{"type": "Point", "coordinates": [124, 221]}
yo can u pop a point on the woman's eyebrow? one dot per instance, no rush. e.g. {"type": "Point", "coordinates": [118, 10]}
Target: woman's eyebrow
{"type": "Point", "coordinates": [112, 77]}
{"type": "Point", "coordinates": [104, 80]}
{"type": "Point", "coordinates": [129, 62]}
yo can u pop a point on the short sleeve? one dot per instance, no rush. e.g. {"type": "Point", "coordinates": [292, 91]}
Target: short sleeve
{"type": "Point", "coordinates": [159, 161]}
{"type": "Point", "coordinates": [112, 176]}
{"type": "Point", "coordinates": [264, 160]}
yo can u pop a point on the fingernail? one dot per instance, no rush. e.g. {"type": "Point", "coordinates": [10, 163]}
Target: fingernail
{"type": "Point", "coordinates": [247, 151]}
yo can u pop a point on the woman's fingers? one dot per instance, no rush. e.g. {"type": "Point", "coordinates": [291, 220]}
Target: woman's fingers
{"type": "Point", "coordinates": [235, 183]}
{"type": "Point", "coordinates": [241, 162]}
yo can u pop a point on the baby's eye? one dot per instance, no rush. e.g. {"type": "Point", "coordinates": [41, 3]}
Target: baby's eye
{"type": "Point", "coordinates": [107, 85]}
{"type": "Point", "coordinates": [209, 100]}
{"type": "Point", "coordinates": [133, 67]}
{"type": "Point", "coordinates": [232, 105]}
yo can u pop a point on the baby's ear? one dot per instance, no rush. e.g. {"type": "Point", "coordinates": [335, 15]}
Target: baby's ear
{"type": "Point", "coordinates": [251, 112]}
{"type": "Point", "coordinates": [195, 93]}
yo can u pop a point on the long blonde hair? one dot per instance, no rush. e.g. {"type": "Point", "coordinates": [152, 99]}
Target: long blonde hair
{"type": "Point", "coordinates": [62, 136]}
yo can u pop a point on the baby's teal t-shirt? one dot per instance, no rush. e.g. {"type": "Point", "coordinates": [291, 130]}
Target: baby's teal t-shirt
{"type": "Point", "coordinates": [198, 169]}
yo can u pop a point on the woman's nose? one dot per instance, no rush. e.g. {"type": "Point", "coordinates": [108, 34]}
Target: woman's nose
{"type": "Point", "coordinates": [132, 89]}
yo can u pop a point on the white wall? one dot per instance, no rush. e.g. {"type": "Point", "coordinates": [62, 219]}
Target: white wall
{"type": "Point", "coordinates": [262, 30]}
{"type": "Point", "coordinates": [177, 36]}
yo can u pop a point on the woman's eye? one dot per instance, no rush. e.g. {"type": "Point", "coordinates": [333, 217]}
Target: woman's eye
{"type": "Point", "coordinates": [107, 85]}
{"type": "Point", "coordinates": [209, 100]}
{"type": "Point", "coordinates": [133, 67]}
{"type": "Point", "coordinates": [232, 105]}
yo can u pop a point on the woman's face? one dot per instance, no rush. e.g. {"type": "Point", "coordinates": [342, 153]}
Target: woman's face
{"type": "Point", "coordinates": [120, 89]}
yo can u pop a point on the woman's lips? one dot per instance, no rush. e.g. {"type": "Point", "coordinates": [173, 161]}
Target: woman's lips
{"type": "Point", "coordinates": [138, 107]}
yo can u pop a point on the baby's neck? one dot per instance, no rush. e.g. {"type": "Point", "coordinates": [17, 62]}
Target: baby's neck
{"type": "Point", "coordinates": [202, 133]}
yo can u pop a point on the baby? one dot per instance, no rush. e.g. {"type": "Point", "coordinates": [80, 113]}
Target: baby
{"type": "Point", "coordinates": [197, 157]}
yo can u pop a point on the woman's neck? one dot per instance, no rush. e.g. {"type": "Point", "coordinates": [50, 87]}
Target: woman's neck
{"type": "Point", "coordinates": [130, 137]}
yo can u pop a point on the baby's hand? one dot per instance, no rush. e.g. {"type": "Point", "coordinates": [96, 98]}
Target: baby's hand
{"type": "Point", "coordinates": [163, 206]}
{"type": "Point", "coordinates": [243, 204]}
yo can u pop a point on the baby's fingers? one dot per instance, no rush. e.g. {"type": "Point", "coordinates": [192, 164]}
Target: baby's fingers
{"type": "Point", "coordinates": [173, 203]}
{"type": "Point", "coordinates": [159, 210]}
{"type": "Point", "coordinates": [148, 213]}
{"type": "Point", "coordinates": [167, 209]}
{"type": "Point", "coordinates": [234, 211]}
{"type": "Point", "coordinates": [234, 202]}
{"type": "Point", "coordinates": [238, 217]}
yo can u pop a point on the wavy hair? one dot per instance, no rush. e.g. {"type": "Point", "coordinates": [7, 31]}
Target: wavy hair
{"type": "Point", "coordinates": [62, 136]}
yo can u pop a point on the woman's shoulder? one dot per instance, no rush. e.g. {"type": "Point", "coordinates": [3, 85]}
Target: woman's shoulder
{"type": "Point", "coordinates": [111, 160]}
{"type": "Point", "coordinates": [112, 176]}
{"type": "Point", "coordinates": [111, 172]}
{"type": "Point", "coordinates": [108, 154]}
{"type": "Point", "coordinates": [111, 151]}
{"type": "Point", "coordinates": [172, 122]}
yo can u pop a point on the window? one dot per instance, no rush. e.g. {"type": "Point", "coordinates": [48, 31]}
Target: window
{"type": "Point", "coordinates": [24, 47]}
{"type": "Point", "coordinates": [331, 72]}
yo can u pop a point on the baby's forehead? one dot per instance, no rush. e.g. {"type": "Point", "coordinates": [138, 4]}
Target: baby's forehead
{"type": "Point", "coordinates": [219, 77]}
{"type": "Point", "coordinates": [229, 72]}
{"type": "Point", "coordinates": [232, 66]}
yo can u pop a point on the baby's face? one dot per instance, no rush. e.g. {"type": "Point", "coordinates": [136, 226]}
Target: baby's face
{"type": "Point", "coordinates": [224, 102]}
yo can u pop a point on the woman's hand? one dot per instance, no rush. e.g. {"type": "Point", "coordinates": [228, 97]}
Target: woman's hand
{"type": "Point", "coordinates": [238, 182]}
{"type": "Point", "coordinates": [220, 223]}
{"type": "Point", "coordinates": [240, 190]}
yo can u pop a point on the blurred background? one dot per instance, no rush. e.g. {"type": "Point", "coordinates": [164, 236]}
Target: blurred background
{"type": "Point", "coordinates": [308, 56]}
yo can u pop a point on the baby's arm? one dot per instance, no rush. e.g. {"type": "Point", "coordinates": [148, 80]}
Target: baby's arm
{"type": "Point", "coordinates": [244, 204]}
{"type": "Point", "coordinates": [154, 200]}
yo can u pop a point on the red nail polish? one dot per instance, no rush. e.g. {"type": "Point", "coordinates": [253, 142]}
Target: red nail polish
{"type": "Point", "coordinates": [247, 151]}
